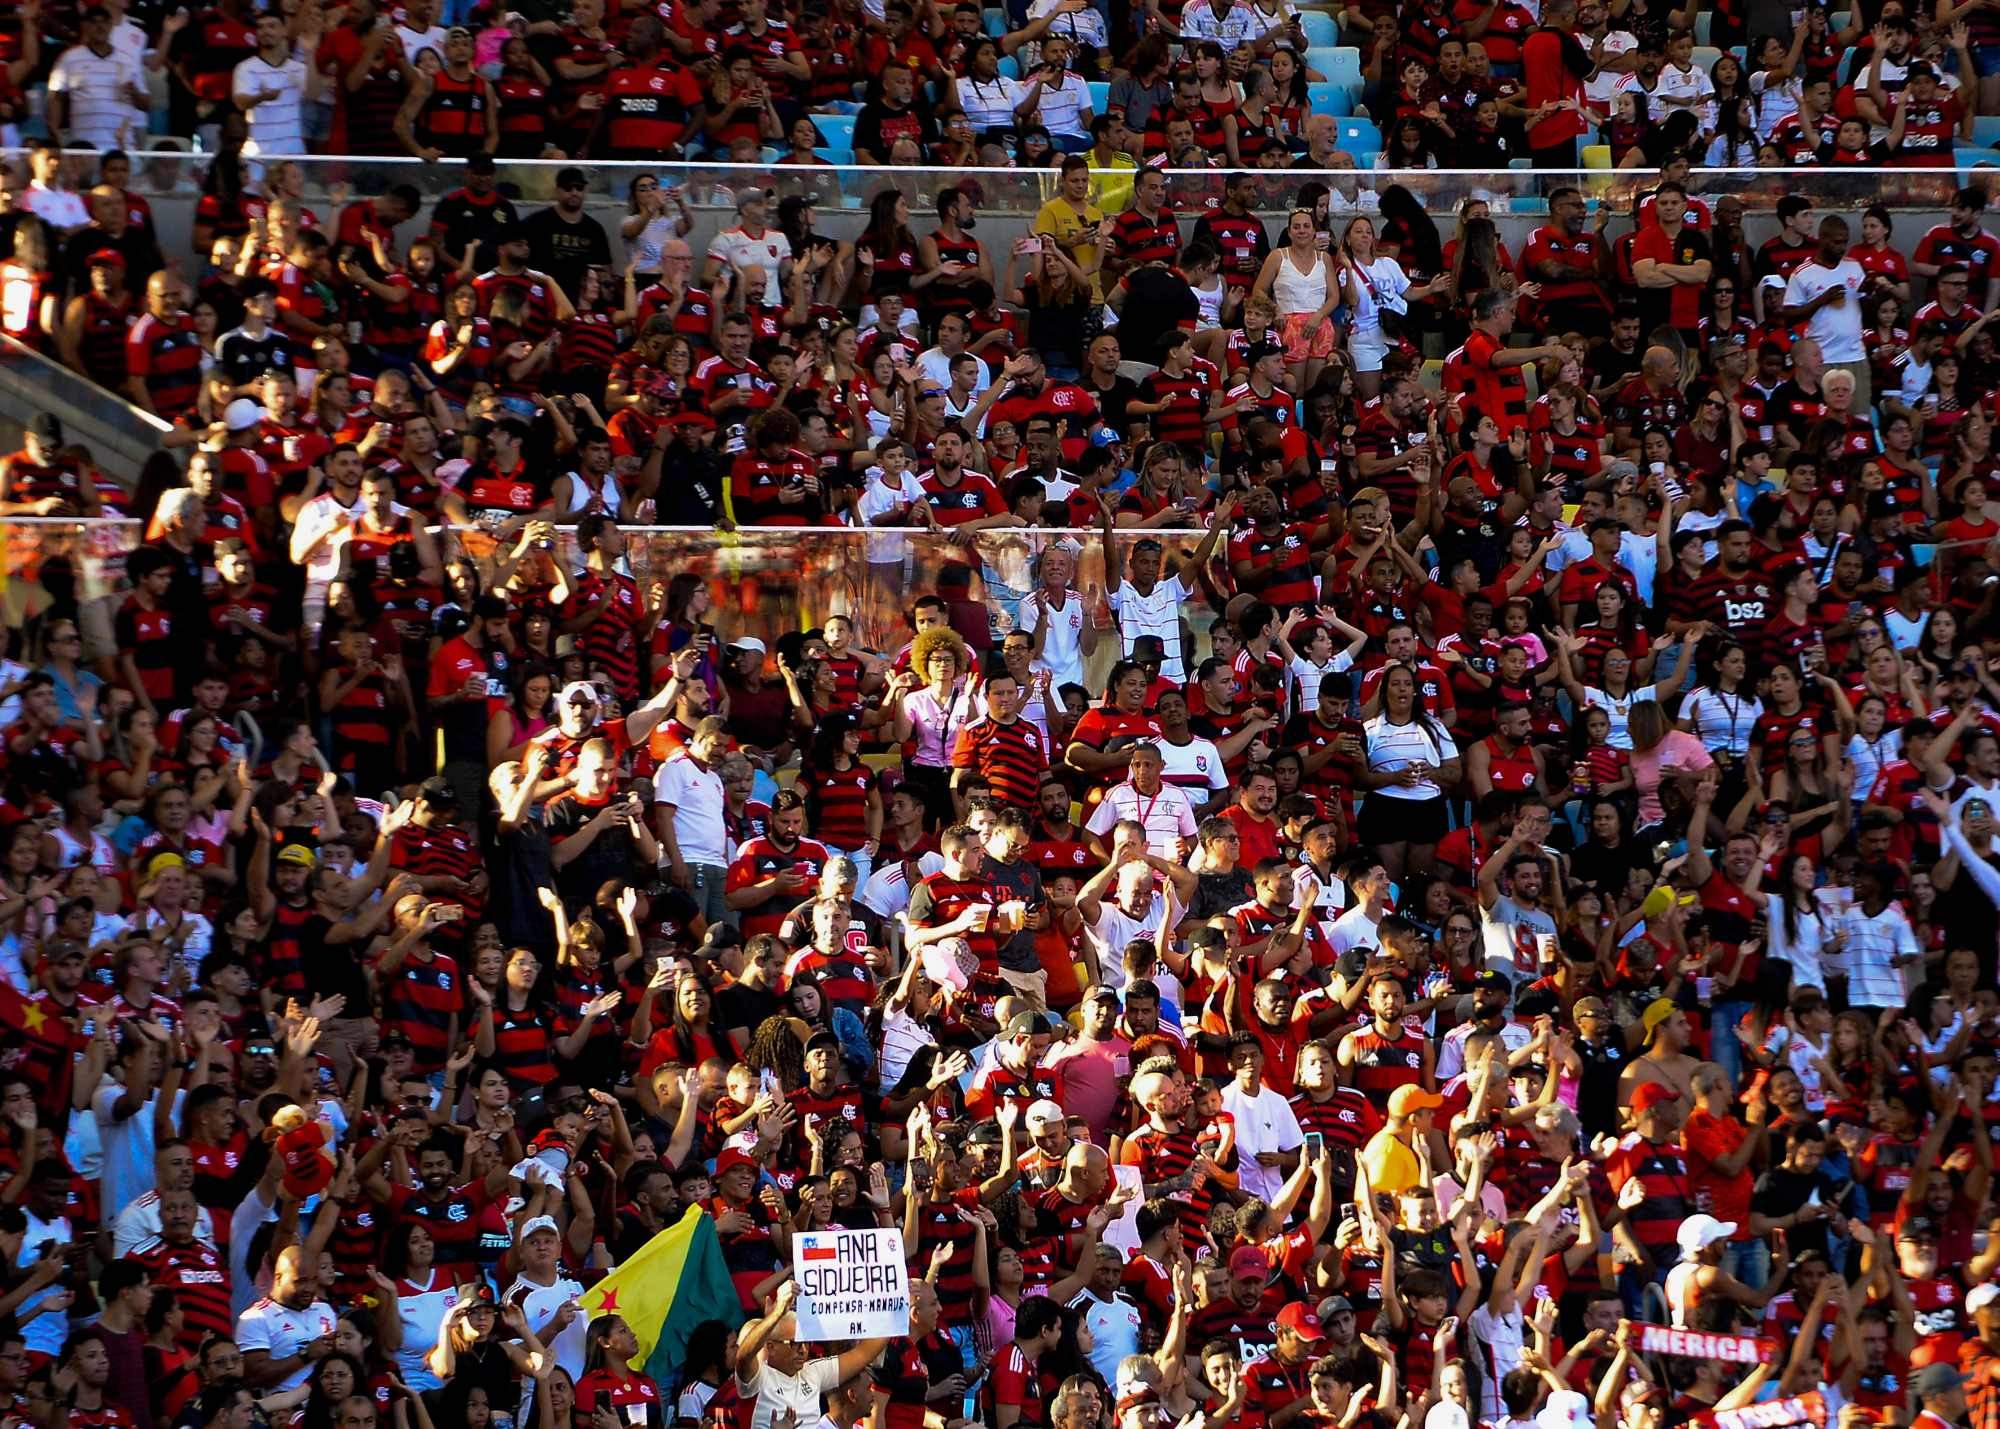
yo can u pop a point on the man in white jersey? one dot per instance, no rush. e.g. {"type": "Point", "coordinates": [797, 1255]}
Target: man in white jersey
{"type": "Point", "coordinates": [1148, 599]}
{"type": "Point", "coordinates": [548, 1298]}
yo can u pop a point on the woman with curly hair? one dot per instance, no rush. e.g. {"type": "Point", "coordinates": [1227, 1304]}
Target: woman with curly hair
{"type": "Point", "coordinates": [930, 703]}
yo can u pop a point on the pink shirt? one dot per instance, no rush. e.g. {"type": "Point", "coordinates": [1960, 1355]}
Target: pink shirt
{"type": "Point", "coordinates": [1679, 750]}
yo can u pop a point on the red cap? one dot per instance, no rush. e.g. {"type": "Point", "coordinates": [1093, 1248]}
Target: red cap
{"type": "Point", "coordinates": [1301, 1321]}
{"type": "Point", "coordinates": [731, 1158]}
{"type": "Point", "coordinates": [1652, 1094]}
{"type": "Point", "coordinates": [109, 257]}
{"type": "Point", "coordinates": [1247, 1262]}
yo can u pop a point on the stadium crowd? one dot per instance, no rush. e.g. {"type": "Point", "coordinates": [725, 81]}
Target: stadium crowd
{"type": "Point", "coordinates": [1385, 831]}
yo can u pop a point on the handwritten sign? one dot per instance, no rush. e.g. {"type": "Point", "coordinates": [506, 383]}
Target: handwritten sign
{"type": "Point", "coordinates": [853, 1284]}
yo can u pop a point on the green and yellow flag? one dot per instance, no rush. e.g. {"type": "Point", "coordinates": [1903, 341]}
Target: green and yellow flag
{"type": "Point", "coordinates": [677, 1280]}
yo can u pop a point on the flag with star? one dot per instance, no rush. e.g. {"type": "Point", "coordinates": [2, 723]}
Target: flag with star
{"type": "Point", "coordinates": [676, 1280]}
{"type": "Point", "coordinates": [30, 1018]}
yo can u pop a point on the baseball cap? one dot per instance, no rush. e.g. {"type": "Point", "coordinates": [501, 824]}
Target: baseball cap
{"type": "Point", "coordinates": [61, 950]}
{"type": "Point", "coordinates": [1936, 1379]}
{"type": "Point", "coordinates": [1652, 1094]}
{"type": "Point", "coordinates": [1918, 1228]}
{"type": "Point", "coordinates": [1261, 350]}
{"type": "Point", "coordinates": [1657, 1011]}
{"type": "Point", "coordinates": [731, 1158]}
{"type": "Point", "coordinates": [299, 854]}
{"type": "Point", "coordinates": [1101, 993]}
{"type": "Point", "coordinates": [578, 692]}
{"type": "Point", "coordinates": [1300, 1321]}
{"type": "Point", "coordinates": [1590, 1007]}
{"type": "Point", "coordinates": [437, 791]}
{"type": "Point", "coordinates": [106, 258]}
{"type": "Point", "coordinates": [1247, 1262]}
{"type": "Point", "coordinates": [1405, 1100]}
{"type": "Point", "coordinates": [1045, 1113]}
{"type": "Point", "coordinates": [1660, 899]}
{"type": "Point", "coordinates": [1492, 982]}
{"type": "Point", "coordinates": [1980, 1297]}
{"type": "Point", "coordinates": [1026, 1024]}
{"type": "Point", "coordinates": [534, 1224]}
{"type": "Point", "coordinates": [749, 642]}
{"type": "Point", "coordinates": [1335, 1305]}
{"type": "Point", "coordinates": [1699, 1232]}
{"type": "Point", "coordinates": [46, 425]}
{"type": "Point", "coordinates": [242, 414]}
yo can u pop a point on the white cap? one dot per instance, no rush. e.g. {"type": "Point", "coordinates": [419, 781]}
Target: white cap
{"type": "Point", "coordinates": [575, 689]}
{"type": "Point", "coordinates": [1565, 1409]}
{"type": "Point", "coordinates": [749, 642]}
{"type": "Point", "coordinates": [1980, 1297]}
{"type": "Point", "coordinates": [1045, 1113]}
{"type": "Point", "coordinates": [1699, 1232]}
{"type": "Point", "coordinates": [537, 1223]}
{"type": "Point", "coordinates": [242, 414]}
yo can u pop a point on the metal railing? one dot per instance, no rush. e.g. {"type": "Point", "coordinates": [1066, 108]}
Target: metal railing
{"type": "Point", "coordinates": [334, 178]}
{"type": "Point", "coordinates": [762, 582]}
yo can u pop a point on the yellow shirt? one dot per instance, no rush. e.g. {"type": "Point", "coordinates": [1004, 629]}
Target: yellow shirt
{"type": "Point", "coordinates": [1111, 184]}
{"type": "Point", "coordinates": [1066, 226]}
{"type": "Point", "coordinates": [1391, 1165]}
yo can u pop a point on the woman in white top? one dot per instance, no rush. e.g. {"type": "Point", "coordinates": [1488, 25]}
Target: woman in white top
{"type": "Point", "coordinates": [1411, 762]}
{"type": "Point", "coordinates": [1795, 932]}
{"type": "Point", "coordinates": [987, 96]}
{"type": "Point", "coordinates": [1370, 284]}
{"type": "Point", "coordinates": [1299, 281]}
{"type": "Point", "coordinates": [655, 215]}
{"type": "Point", "coordinates": [1720, 713]}
{"type": "Point", "coordinates": [1873, 746]}
{"type": "Point", "coordinates": [423, 1294]}
{"type": "Point", "coordinates": [1201, 266]}
{"type": "Point", "coordinates": [931, 703]}
{"type": "Point", "coordinates": [1616, 697]}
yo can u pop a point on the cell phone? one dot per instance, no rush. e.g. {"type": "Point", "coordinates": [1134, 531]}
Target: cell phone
{"type": "Point", "coordinates": [1315, 1144]}
{"type": "Point", "coordinates": [920, 1172]}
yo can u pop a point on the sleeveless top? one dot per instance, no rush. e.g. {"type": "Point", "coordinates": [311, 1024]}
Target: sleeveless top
{"type": "Point", "coordinates": [1295, 291]}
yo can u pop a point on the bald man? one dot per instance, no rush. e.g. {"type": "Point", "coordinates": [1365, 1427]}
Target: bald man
{"type": "Point", "coordinates": [289, 1331]}
{"type": "Point", "coordinates": [1164, 1150]}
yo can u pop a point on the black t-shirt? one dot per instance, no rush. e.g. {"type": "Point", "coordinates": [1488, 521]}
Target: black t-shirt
{"type": "Point", "coordinates": [1611, 369]}
{"type": "Point", "coordinates": [1156, 302]}
{"type": "Point", "coordinates": [1020, 880]}
{"type": "Point", "coordinates": [564, 250]}
{"type": "Point", "coordinates": [1219, 892]}
{"type": "Point", "coordinates": [740, 1005]}
{"type": "Point", "coordinates": [1781, 1193]}
{"type": "Point", "coordinates": [612, 854]}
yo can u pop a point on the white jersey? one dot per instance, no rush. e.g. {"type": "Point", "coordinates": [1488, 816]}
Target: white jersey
{"type": "Point", "coordinates": [540, 1303]}
{"type": "Point", "coordinates": [1194, 767]}
{"type": "Point", "coordinates": [282, 1332]}
{"type": "Point", "coordinates": [1155, 613]}
{"type": "Point", "coordinates": [1062, 647]}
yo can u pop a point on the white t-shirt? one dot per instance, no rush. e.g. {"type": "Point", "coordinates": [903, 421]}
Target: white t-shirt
{"type": "Point", "coordinates": [539, 1303]}
{"type": "Point", "coordinates": [700, 827]}
{"type": "Point", "coordinates": [1502, 1338]}
{"type": "Point", "coordinates": [138, 1226]}
{"type": "Point", "coordinates": [421, 1314]}
{"type": "Point", "coordinates": [1194, 767]}
{"type": "Point", "coordinates": [1264, 1122]}
{"type": "Point", "coordinates": [1692, 86]}
{"type": "Point", "coordinates": [1306, 677]}
{"type": "Point", "coordinates": [801, 1393]}
{"type": "Point", "coordinates": [322, 514]}
{"type": "Point", "coordinates": [1167, 816]}
{"type": "Point", "coordinates": [1061, 106]}
{"type": "Point", "coordinates": [1603, 85]}
{"type": "Point", "coordinates": [1114, 930]}
{"type": "Point", "coordinates": [1062, 647]}
{"type": "Point", "coordinates": [277, 126]}
{"type": "Point", "coordinates": [989, 103]}
{"type": "Point", "coordinates": [283, 1332]}
{"type": "Point", "coordinates": [1837, 326]}
{"type": "Point", "coordinates": [1156, 614]}
{"type": "Point", "coordinates": [768, 250]}
{"type": "Point", "coordinates": [1392, 747]}
{"type": "Point", "coordinates": [415, 42]}
{"type": "Point", "coordinates": [98, 88]}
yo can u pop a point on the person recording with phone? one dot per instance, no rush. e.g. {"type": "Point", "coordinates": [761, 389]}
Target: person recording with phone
{"type": "Point", "coordinates": [597, 834]}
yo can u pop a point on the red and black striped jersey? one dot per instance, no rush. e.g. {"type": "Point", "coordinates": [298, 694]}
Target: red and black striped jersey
{"type": "Point", "coordinates": [1011, 755]}
{"type": "Point", "coordinates": [199, 1279]}
{"type": "Point", "coordinates": [421, 998]}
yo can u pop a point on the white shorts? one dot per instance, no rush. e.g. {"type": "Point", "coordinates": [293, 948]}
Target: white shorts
{"type": "Point", "coordinates": [1367, 347]}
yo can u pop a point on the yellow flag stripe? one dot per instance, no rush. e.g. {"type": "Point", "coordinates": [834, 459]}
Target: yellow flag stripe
{"type": "Point", "coordinates": [641, 1290]}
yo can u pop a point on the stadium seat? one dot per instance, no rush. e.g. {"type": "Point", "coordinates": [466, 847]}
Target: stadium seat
{"type": "Point", "coordinates": [1986, 130]}
{"type": "Point", "coordinates": [1701, 24]}
{"type": "Point", "coordinates": [1365, 159]}
{"type": "Point", "coordinates": [996, 22]}
{"type": "Point", "coordinates": [838, 131]}
{"type": "Point", "coordinates": [1326, 97]}
{"type": "Point", "coordinates": [1010, 66]}
{"type": "Point", "coordinates": [1322, 30]}
{"type": "Point", "coordinates": [1597, 156]}
{"type": "Point", "coordinates": [1341, 64]}
{"type": "Point", "coordinates": [1100, 95]}
{"type": "Point", "coordinates": [1967, 156]}
{"type": "Point", "coordinates": [1527, 204]}
{"type": "Point", "coordinates": [1705, 56]}
{"type": "Point", "coordinates": [1357, 134]}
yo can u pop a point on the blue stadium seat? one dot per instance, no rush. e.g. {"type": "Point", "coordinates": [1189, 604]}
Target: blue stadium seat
{"type": "Point", "coordinates": [1010, 65]}
{"type": "Point", "coordinates": [1322, 30]}
{"type": "Point", "coordinates": [838, 131]}
{"type": "Point", "coordinates": [996, 21]}
{"type": "Point", "coordinates": [1967, 156]}
{"type": "Point", "coordinates": [1100, 95]}
{"type": "Point", "coordinates": [1358, 134]}
{"type": "Point", "coordinates": [1701, 23]}
{"type": "Point", "coordinates": [1342, 65]}
{"type": "Point", "coordinates": [1986, 130]}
